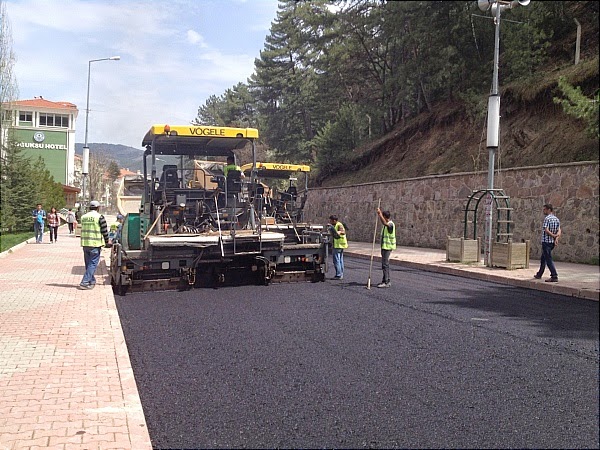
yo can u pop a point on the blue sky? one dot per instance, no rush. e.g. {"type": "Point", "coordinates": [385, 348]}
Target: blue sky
{"type": "Point", "coordinates": [174, 55]}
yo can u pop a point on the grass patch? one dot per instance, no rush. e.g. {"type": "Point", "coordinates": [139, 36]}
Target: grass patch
{"type": "Point", "coordinates": [9, 240]}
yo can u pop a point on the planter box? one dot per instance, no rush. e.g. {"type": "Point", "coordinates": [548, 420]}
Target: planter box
{"type": "Point", "coordinates": [510, 255]}
{"type": "Point", "coordinates": [463, 250]}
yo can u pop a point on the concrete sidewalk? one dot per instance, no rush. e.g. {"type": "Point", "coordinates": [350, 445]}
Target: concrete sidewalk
{"type": "Point", "coordinates": [575, 280]}
{"type": "Point", "coordinates": [65, 376]}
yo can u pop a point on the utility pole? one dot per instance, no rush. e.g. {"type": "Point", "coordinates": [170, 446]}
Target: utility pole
{"type": "Point", "coordinates": [493, 123]}
{"type": "Point", "coordinates": [86, 150]}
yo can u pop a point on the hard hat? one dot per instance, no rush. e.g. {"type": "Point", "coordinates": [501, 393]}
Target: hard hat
{"type": "Point", "coordinates": [120, 216]}
{"type": "Point", "coordinates": [94, 204]}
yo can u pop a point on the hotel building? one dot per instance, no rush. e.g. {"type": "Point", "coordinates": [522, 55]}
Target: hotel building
{"type": "Point", "coordinates": [44, 128]}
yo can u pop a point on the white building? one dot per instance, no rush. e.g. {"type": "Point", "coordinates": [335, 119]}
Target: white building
{"type": "Point", "coordinates": [44, 128]}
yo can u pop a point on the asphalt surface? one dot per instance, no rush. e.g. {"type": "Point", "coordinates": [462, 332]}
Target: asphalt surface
{"type": "Point", "coordinates": [436, 361]}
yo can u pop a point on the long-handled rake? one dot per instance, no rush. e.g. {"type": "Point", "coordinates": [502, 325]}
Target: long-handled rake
{"type": "Point", "coordinates": [373, 248]}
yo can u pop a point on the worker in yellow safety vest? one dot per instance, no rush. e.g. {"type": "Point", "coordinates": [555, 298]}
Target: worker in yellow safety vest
{"type": "Point", "coordinates": [231, 165]}
{"type": "Point", "coordinates": [340, 242]}
{"type": "Point", "coordinates": [94, 235]}
{"type": "Point", "coordinates": [114, 234]}
{"type": "Point", "coordinates": [388, 243]}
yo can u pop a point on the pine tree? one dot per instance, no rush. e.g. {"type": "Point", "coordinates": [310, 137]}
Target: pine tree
{"type": "Point", "coordinates": [19, 191]}
{"type": "Point", "coordinates": [50, 193]}
{"type": "Point", "coordinates": [8, 93]}
{"type": "Point", "coordinates": [235, 108]}
{"type": "Point", "coordinates": [285, 83]}
{"type": "Point", "coordinates": [576, 104]}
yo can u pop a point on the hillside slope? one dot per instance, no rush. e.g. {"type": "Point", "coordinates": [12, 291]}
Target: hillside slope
{"type": "Point", "coordinates": [126, 157]}
{"type": "Point", "coordinates": [452, 138]}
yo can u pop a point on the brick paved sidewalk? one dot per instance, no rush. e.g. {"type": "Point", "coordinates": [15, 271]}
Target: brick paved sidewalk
{"type": "Point", "coordinates": [65, 376]}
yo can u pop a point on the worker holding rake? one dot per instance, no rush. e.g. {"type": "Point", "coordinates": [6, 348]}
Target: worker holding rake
{"type": "Point", "coordinates": [388, 243]}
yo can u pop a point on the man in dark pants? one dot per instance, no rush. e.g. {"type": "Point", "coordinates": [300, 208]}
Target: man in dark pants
{"type": "Point", "coordinates": [551, 233]}
{"type": "Point", "coordinates": [39, 215]}
{"type": "Point", "coordinates": [340, 242]}
{"type": "Point", "coordinates": [94, 236]}
{"type": "Point", "coordinates": [388, 243]}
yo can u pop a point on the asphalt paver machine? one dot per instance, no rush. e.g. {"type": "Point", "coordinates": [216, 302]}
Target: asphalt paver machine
{"type": "Point", "coordinates": [197, 227]}
{"type": "Point", "coordinates": [283, 191]}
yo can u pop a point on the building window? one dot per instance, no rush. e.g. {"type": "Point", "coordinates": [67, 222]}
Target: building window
{"type": "Point", "coordinates": [26, 116]}
{"type": "Point", "coordinates": [54, 120]}
{"type": "Point", "coordinates": [61, 121]}
{"type": "Point", "coordinates": [6, 115]}
{"type": "Point", "coordinates": [46, 120]}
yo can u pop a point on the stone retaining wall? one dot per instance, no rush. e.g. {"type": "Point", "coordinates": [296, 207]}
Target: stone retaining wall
{"type": "Point", "coordinates": [428, 209]}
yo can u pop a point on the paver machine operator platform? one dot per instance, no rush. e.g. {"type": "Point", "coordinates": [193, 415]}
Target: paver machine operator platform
{"type": "Point", "coordinates": [281, 196]}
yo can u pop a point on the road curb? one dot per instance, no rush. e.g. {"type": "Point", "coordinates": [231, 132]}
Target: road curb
{"type": "Point", "coordinates": [136, 423]}
{"type": "Point", "coordinates": [554, 288]}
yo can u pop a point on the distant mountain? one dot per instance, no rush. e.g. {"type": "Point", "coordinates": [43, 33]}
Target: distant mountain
{"type": "Point", "coordinates": [126, 157]}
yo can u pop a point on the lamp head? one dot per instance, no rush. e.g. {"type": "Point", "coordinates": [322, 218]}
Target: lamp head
{"type": "Point", "coordinates": [484, 5]}
{"type": "Point", "coordinates": [114, 58]}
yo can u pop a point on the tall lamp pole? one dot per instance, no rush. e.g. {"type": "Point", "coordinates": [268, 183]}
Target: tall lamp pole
{"type": "Point", "coordinates": [86, 150]}
{"type": "Point", "coordinates": [493, 123]}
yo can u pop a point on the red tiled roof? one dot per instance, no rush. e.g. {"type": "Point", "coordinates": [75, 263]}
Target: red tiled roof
{"type": "Point", "coordinates": [126, 172]}
{"type": "Point", "coordinates": [43, 103]}
{"type": "Point", "coordinates": [67, 188]}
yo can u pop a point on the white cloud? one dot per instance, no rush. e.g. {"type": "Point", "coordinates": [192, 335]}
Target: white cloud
{"type": "Point", "coordinates": [195, 38]}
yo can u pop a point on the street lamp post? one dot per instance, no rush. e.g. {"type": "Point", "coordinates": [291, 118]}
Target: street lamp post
{"type": "Point", "coordinates": [86, 149]}
{"type": "Point", "coordinates": [493, 123]}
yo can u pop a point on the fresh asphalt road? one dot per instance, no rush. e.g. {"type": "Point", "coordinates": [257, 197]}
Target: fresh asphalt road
{"type": "Point", "coordinates": [435, 361]}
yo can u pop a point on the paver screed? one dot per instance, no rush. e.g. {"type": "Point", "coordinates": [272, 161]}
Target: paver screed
{"type": "Point", "coordinates": [65, 376]}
